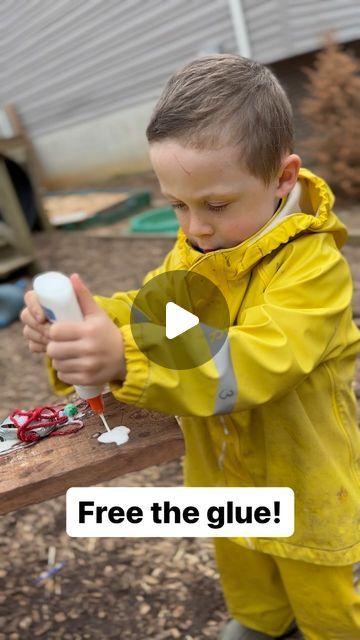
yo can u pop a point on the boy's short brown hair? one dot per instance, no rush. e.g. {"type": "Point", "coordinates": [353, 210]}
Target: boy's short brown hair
{"type": "Point", "coordinates": [227, 100]}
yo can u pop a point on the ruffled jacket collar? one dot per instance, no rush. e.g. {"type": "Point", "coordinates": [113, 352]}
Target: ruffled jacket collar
{"type": "Point", "coordinates": [307, 210]}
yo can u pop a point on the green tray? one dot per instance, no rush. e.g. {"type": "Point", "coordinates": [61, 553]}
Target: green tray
{"type": "Point", "coordinates": [155, 221]}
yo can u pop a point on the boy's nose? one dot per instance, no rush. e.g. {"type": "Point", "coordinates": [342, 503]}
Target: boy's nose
{"type": "Point", "coordinates": [199, 227]}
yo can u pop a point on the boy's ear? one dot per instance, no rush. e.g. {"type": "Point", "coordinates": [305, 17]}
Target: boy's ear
{"type": "Point", "coordinates": [288, 175]}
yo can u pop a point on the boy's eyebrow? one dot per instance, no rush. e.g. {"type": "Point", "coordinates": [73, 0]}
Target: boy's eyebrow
{"type": "Point", "coordinates": [208, 196]}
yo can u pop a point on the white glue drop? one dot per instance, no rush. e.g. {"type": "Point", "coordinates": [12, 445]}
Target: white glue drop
{"type": "Point", "coordinates": [119, 435]}
{"type": "Point", "coordinates": [104, 421]}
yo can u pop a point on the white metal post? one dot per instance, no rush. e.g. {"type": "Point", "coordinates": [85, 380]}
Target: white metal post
{"type": "Point", "coordinates": [239, 22]}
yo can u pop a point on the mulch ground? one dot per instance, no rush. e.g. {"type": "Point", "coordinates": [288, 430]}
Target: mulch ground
{"type": "Point", "coordinates": [128, 589]}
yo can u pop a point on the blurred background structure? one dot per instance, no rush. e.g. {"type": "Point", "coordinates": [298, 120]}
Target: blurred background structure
{"type": "Point", "coordinates": [85, 74]}
{"type": "Point", "coordinates": [83, 77]}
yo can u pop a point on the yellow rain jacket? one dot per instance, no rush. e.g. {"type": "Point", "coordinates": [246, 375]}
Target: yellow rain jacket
{"type": "Point", "coordinates": [291, 354]}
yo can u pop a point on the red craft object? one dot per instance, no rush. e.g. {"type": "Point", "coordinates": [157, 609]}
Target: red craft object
{"type": "Point", "coordinates": [41, 417]}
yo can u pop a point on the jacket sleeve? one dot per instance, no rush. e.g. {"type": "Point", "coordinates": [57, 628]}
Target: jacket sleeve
{"type": "Point", "coordinates": [303, 319]}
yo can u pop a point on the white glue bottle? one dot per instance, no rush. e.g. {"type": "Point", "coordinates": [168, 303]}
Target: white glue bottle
{"type": "Point", "coordinates": [57, 297]}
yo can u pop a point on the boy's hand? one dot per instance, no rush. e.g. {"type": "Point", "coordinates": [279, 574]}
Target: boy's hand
{"type": "Point", "coordinates": [36, 329]}
{"type": "Point", "coordinates": [89, 352]}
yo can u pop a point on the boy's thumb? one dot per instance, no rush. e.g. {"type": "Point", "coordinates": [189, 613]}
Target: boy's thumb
{"type": "Point", "coordinates": [86, 301]}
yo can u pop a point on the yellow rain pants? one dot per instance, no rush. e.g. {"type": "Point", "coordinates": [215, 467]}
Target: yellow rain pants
{"type": "Point", "coordinates": [266, 593]}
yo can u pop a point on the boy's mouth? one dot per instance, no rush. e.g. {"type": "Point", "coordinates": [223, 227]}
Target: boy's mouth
{"type": "Point", "coordinates": [202, 249]}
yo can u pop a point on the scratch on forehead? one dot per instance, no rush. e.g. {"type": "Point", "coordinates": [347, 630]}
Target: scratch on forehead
{"type": "Point", "coordinates": [183, 168]}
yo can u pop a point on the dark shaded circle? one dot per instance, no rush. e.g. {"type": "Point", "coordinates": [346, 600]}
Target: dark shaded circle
{"type": "Point", "coordinates": [193, 292]}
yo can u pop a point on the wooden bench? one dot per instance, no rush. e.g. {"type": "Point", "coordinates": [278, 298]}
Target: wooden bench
{"type": "Point", "coordinates": [54, 464]}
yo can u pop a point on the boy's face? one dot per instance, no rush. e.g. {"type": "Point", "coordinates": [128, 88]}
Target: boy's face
{"type": "Point", "coordinates": [217, 202]}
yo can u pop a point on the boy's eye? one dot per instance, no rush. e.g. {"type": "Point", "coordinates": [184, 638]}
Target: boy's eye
{"type": "Point", "coordinates": [178, 205]}
{"type": "Point", "coordinates": [211, 207]}
{"type": "Point", "coordinates": [216, 207]}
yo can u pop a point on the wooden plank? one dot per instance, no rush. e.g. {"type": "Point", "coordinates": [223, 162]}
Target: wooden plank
{"type": "Point", "coordinates": [47, 469]}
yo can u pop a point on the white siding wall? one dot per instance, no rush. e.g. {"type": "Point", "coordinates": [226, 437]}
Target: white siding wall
{"type": "Point", "coordinates": [71, 60]}
{"type": "Point", "coordinates": [283, 28]}
{"type": "Point", "coordinates": [84, 74]}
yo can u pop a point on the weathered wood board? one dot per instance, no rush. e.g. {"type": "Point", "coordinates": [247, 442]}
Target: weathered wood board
{"type": "Point", "coordinates": [54, 464]}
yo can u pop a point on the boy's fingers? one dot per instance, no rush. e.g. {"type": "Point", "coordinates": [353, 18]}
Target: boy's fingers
{"type": "Point", "coordinates": [26, 317]}
{"type": "Point", "coordinates": [66, 331]}
{"type": "Point", "coordinates": [72, 365]}
{"type": "Point", "coordinates": [29, 321]}
{"type": "Point", "coordinates": [35, 336]}
{"type": "Point", "coordinates": [87, 303]}
{"type": "Point", "coordinates": [34, 307]}
{"type": "Point", "coordinates": [63, 350]}
{"type": "Point", "coordinates": [35, 347]}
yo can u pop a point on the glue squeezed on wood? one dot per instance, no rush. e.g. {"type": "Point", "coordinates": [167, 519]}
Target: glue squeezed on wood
{"type": "Point", "coordinates": [104, 421]}
{"type": "Point", "coordinates": [118, 435]}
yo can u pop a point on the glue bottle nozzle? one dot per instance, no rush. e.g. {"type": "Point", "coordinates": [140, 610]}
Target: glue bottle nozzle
{"type": "Point", "coordinates": [97, 404]}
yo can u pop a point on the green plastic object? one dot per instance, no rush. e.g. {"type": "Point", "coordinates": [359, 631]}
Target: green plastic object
{"type": "Point", "coordinates": [155, 221]}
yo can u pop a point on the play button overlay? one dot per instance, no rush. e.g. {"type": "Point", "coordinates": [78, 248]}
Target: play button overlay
{"type": "Point", "coordinates": [180, 319]}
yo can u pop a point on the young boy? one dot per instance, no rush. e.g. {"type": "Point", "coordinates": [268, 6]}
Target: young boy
{"type": "Point", "coordinates": [262, 229]}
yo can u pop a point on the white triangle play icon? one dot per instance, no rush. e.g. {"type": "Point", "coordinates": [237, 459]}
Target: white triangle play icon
{"type": "Point", "coordinates": [178, 320]}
